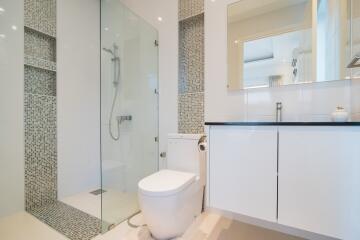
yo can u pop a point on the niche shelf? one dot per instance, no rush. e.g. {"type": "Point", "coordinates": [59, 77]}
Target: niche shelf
{"type": "Point", "coordinates": [39, 63]}
{"type": "Point", "coordinates": [48, 34]}
{"type": "Point", "coordinates": [189, 18]}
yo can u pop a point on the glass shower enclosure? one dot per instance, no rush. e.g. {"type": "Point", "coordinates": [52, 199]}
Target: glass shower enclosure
{"type": "Point", "coordinates": [129, 109]}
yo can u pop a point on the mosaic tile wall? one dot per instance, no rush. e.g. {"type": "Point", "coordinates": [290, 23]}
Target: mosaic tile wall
{"type": "Point", "coordinates": [40, 15]}
{"type": "Point", "coordinates": [40, 81]}
{"type": "Point", "coordinates": [40, 103]}
{"type": "Point", "coordinates": [39, 45]}
{"type": "Point", "coordinates": [191, 66]}
{"type": "Point", "coordinates": [191, 55]}
{"type": "Point", "coordinates": [40, 150]}
{"type": "Point", "coordinates": [191, 113]}
{"type": "Point", "coordinates": [190, 8]}
{"type": "Point", "coordinates": [40, 127]}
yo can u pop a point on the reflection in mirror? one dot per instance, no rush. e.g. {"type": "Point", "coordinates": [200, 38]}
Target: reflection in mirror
{"type": "Point", "coordinates": [355, 36]}
{"type": "Point", "coordinates": [281, 42]}
{"type": "Point", "coordinates": [332, 40]}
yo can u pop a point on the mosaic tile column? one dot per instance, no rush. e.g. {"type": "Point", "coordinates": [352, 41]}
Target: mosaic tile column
{"type": "Point", "coordinates": [191, 66]}
{"type": "Point", "coordinates": [40, 127]}
{"type": "Point", "coordinates": [40, 103]}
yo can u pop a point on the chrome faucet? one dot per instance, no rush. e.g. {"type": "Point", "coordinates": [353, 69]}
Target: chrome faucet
{"type": "Point", "coordinates": [279, 107]}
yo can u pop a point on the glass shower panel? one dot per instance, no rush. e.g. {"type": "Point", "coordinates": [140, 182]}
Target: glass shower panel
{"type": "Point", "coordinates": [129, 109]}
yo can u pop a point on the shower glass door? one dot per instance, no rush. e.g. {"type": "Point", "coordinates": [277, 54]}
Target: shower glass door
{"type": "Point", "coordinates": [129, 109]}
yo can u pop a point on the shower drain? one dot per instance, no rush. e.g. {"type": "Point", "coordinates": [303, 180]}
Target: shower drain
{"type": "Point", "coordinates": [98, 192]}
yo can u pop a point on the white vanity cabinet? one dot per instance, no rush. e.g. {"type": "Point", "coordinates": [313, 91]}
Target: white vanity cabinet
{"type": "Point", "coordinates": [318, 183]}
{"type": "Point", "coordinates": [319, 180]}
{"type": "Point", "coordinates": [242, 170]}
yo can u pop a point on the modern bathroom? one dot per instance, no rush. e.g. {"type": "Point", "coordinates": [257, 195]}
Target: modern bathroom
{"type": "Point", "coordinates": [179, 119]}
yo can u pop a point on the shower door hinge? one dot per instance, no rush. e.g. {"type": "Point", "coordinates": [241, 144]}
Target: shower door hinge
{"type": "Point", "coordinates": [156, 43]}
{"type": "Point", "coordinates": [156, 91]}
{"type": "Point", "coordinates": [156, 139]}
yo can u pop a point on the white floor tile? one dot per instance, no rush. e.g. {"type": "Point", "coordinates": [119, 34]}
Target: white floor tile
{"type": "Point", "coordinates": [117, 206]}
{"type": "Point", "coordinates": [208, 226]}
{"type": "Point", "coordinates": [23, 226]}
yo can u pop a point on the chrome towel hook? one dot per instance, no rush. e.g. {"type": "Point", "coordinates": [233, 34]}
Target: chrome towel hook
{"type": "Point", "coordinates": [355, 62]}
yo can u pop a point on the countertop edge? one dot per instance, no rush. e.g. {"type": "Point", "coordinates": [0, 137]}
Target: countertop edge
{"type": "Point", "coordinates": [282, 123]}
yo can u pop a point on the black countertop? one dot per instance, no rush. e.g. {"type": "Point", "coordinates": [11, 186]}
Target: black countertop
{"type": "Point", "coordinates": [282, 123]}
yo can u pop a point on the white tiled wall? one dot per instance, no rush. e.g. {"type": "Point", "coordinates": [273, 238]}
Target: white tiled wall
{"type": "Point", "coordinates": [309, 102]}
{"type": "Point", "coordinates": [355, 100]}
{"type": "Point", "coordinates": [11, 107]}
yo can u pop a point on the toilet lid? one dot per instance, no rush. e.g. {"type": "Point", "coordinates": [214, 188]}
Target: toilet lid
{"type": "Point", "coordinates": [165, 182]}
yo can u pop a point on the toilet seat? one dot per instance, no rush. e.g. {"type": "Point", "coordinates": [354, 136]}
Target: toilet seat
{"type": "Point", "coordinates": [165, 183]}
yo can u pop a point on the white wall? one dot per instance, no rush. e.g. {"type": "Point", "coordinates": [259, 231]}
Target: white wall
{"type": "Point", "coordinates": [355, 100]}
{"type": "Point", "coordinates": [168, 59]}
{"type": "Point", "coordinates": [310, 102]}
{"type": "Point", "coordinates": [11, 107]}
{"type": "Point", "coordinates": [78, 95]}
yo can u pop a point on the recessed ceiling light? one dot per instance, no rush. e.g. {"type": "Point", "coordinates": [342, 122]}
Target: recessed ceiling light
{"type": "Point", "coordinates": [2, 36]}
{"type": "Point", "coordinates": [236, 41]}
{"type": "Point", "coordinates": [160, 19]}
{"type": "Point", "coordinates": [13, 27]}
{"type": "Point", "coordinates": [2, 10]}
{"type": "Point", "coordinates": [106, 29]}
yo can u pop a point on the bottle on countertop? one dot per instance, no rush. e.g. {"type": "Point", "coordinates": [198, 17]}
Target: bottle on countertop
{"type": "Point", "coordinates": [340, 115]}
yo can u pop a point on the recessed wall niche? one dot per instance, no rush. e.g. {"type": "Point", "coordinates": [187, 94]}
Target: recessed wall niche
{"type": "Point", "coordinates": [40, 121]}
{"type": "Point", "coordinates": [40, 103]}
{"type": "Point", "coordinates": [191, 66]}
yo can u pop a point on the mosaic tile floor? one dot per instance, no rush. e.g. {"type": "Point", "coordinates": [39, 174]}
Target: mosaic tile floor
{"type": "Point", "coordinates": [71, 222]}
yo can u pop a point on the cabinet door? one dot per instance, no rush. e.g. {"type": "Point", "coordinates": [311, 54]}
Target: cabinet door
{"type": "Point", "coordinates": [319, 180]}
{"type": "Point", "coordinates": [243, 170]}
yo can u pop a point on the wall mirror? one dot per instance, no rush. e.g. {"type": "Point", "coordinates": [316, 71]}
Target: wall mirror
{"type": "Point", "coordinates": [282, 42]}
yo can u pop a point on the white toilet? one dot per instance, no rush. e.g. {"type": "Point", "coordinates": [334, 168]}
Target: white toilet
{"type": "Point", "coordinates": [170, 199]}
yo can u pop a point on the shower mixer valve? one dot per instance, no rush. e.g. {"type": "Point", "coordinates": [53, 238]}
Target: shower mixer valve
{"type": "Point", "coordinates": [123, 118]}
